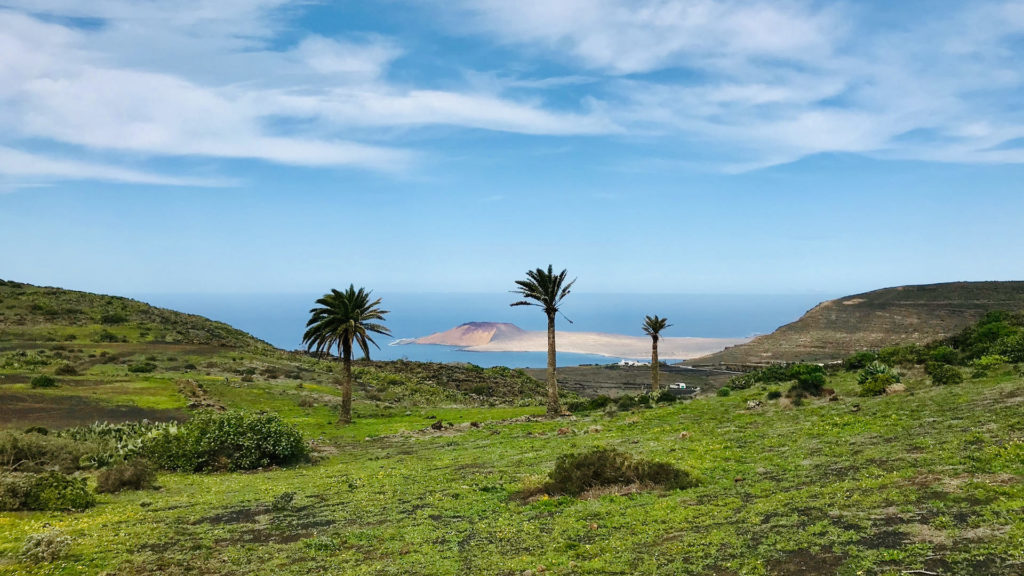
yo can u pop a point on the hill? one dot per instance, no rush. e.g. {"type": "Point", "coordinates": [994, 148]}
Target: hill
{"type": "Point", "coordinates": [118, 359]}
{"type": "Point", "coordinates": [45, 314]}
{"type": "Point", "coordinates": [925, 479]}
{"type": "Point", "coordinates": [473, 334]}
{"type": "Point", "coordinates": [837, 328]}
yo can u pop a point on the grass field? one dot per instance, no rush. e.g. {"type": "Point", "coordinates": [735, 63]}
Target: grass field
{"type": "Point", "coordinates": [929, 479]}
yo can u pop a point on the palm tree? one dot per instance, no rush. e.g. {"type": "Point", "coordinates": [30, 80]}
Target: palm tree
{"type": "Point", "coordinates": [653, 327]}
{"type": "Point", "coordinates": [546, 290]}
{"type": "Point", "coordinates": [340, 319]}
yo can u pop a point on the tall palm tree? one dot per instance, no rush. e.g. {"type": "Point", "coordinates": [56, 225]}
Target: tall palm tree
{"type": "Point", "coordinates": [546, 290]}
{"type": "Point", "coordinates": [653, 327]}
{"type": "Point", "coordinates": [341, 319]}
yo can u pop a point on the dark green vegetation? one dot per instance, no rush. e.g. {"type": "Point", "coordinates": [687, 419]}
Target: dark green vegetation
{"type": "Point", "coordinates": [230, 441]}
{"type": "Point", "coordinates": [546, 290]}
{"type": "Point", "coordinates": [577, 473]}
{"type": "Point", "coordinates": [874, 320]}
{"type": "Point", "coordinates": [429, 477]}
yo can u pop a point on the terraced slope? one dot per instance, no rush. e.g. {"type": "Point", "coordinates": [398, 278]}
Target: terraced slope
{"type": "Point", "coordinates": [834, 329]}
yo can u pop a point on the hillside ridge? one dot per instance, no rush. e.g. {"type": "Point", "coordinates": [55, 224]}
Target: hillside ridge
{"type": "Point", "coordinates": [30, 313]}
{"type": "Point", "coordinates": [836, 328]}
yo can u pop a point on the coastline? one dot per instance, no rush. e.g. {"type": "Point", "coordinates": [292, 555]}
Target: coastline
{"type": "Point", "coordinates": [609, 345]}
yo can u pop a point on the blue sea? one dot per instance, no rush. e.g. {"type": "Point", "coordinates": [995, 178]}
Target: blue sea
{"type": "Point", "coordinates": [280, 319]}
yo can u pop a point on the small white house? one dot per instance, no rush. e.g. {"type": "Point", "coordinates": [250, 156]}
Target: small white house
{"type": "Point", "coordinates": [633, 363]}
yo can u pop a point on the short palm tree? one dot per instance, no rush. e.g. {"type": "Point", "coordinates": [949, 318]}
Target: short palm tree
{"type": "Point", "coordinates": [653, 327]}
{"type": "Point", "coordinates": [340, 319]}
{"type": "Point", "coordinates": [546, 290]}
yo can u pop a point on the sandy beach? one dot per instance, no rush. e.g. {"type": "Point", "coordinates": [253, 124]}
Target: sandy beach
{"type": "Point", "coordinates": [612, 345]}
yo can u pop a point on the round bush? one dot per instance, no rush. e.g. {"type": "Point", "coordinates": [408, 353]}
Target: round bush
{"type": "Point", "coordinates": [66, 370]}
{"type": "Point", "coordinates": [227, 441]}
{"type": "Point", "coordinates": [55, 491]}
{"type": "Point", "coordinates": [877, 384]}
{"type": "Point", "coordinates": [773, 394]}
{"type": "Point", "coordinates": [942, 374]}
{"type": "Point", "coordinates": [626, 402]}
{"type": "Point", "coordinates": [723, 391]}
{"type": "Point", "coordinates": [137, 474]}
{"type": "Point", "coordinates": [46, 546]}
{"type": "Point", "coordinates": [43, 381]}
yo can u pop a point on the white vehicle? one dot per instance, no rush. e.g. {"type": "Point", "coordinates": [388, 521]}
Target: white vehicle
{"type": "Point", "coordinates": [681, 389]}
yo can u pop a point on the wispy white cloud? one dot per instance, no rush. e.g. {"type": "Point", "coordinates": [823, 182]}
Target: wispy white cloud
{"type": "Point", "coordinates": [202, 79]}
{"type": "Point", "coordinates": [625, 37]}
{"type": "Point", "coordinates": [33, 170]}
{"type": "Point", "coordinates": [773, 82]}
{"type": "Point", "coordinates": [750, 83]}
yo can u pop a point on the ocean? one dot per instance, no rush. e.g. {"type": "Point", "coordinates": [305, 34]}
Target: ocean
{"type": "Point", "coordinates": [280, 319]}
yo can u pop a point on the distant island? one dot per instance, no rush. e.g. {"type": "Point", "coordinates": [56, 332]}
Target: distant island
{"type": "Point", "coordinates": [505, 337]}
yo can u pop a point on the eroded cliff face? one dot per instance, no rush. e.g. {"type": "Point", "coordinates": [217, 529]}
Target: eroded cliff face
{"type": "Point", "coordinates": [473, 334]}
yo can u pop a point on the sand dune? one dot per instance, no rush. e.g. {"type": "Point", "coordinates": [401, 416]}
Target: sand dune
{"type": "Point", "coordinates": [499, 337]}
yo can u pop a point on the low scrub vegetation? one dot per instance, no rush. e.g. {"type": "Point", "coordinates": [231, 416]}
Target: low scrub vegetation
{"type": "Point", "coordinates": [51, 491]}
{"type": "Point", "coordinates": [43, 381]}
{"type": "Point", "coordinates": [137, 474]}
{"type": "Point", "coordinates": [235, 440]}
{"type": "Point", "coordinates": [44, 547]}
{"type": "Point", "coordinates": [576, 473]}
{"type": "Point", "coordinates": [807, 379]}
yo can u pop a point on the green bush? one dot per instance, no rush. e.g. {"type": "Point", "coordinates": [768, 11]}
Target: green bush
{"type": "Point", "coordinates": [48, 546]}
{"type": "Point", "coordinates": [810, 378]}
{"type": "Point", "coordinates": [944, 355]}
{"type": "Point", "coordinates": [943, 374]}
{"type": "Point", "coordinates": [773, 394]}
{"type": "Point", "coordinates": [142, 368]}
{"type": "Point", "coordinates": [877, 384]}
{"type": "Point", "coordinates": [113, 318]}
{"type": "Point", "coordinates": [859, 360]}
{"type": "Point", "coordinates": [43, 381]}
{"type": "Point", "coordinates": [626, 402]}
{"type": "Point", "coordinates": [136, 474]}
{"type": "Point", "coordinates": [47, 491]}
{"type": "Point", "coordinates": [666, 397]}
{"type": "Point", "coordinates": [106, 336]}
{"type": "Point", "coordinates": [227, 441]}
{"type": "Point", "coordinates": [901, 355]}
{"type": "Point", "coordinates": [877, 369]}
{"type": "Point", "coordinates": [574, 473]}
{"type": "Point", "coordinates": [66, 370]}
{"type": "Point", "coordinates": [589, 404]}
{"type": "Point", "coordinates": [723, 391]}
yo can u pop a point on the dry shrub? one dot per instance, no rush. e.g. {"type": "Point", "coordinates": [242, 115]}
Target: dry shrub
{"type": "Point", "coordinates": [575, 473]}
{"type": "Point", "coordinates": [137, 474]}
{"type": "Point", "coordinates": [45, 546]}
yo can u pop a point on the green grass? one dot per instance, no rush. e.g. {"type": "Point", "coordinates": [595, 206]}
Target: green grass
{"type": "Point", "coordinates": [929, 479]}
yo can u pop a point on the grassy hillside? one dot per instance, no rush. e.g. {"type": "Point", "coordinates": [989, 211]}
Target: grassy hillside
{"type": "Point", "coordinates": [928, 479]}
{"type": "Point", "coordinates": [118, 360]}
{"type": "Point", "coordinates": [873, 320]}
{"type": "Point", "coordinates": [923, 479]}
{"type": "Point", "coordinates": [41, 314]}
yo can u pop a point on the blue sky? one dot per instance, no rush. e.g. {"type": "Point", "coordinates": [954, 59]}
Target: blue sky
{"type": "Point", "coordinates": [662, 146]}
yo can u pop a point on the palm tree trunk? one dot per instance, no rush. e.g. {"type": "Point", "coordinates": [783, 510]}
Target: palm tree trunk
{"type": "Point", "coordinates": [554, 407]}
{"type": "Point", "coordinates": [345, 416]}
{"type": "Point", "coordinates": [655, 376]}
